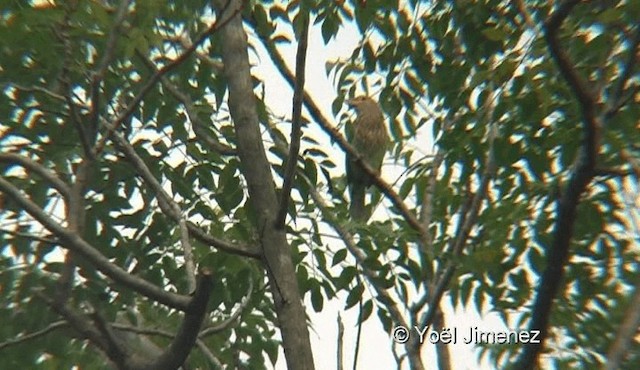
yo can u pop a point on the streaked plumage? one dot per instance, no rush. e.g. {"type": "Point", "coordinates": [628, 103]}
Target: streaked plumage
{"type": "Point", "coordinates": [369, 137]}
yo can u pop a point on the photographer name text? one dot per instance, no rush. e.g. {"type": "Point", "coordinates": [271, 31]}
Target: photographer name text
{"type": "Point", "coordinates": [473, 335]}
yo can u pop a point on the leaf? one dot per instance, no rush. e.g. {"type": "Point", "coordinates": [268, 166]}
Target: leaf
{"type": "Point", "coordinates": [354, 296]}
{"type": "Point", "coordinates": [339, 256]}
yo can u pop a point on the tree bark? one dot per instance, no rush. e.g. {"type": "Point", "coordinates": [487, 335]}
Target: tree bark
{"type": "Point", "coordinates": [262, 192]}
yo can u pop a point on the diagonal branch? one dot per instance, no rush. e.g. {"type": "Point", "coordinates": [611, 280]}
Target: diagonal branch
{"type": "Point", "coordinates": [356, 252]}
{"type": "Point", "coordinates": [37, 168]}
{"type": "Point", "coordinates": [171, 209]}
{"type": "Point", "coordinates": [232, 318]}
{"type": "Point", "coordinates": [81, 324]}
{"type": "Point", "coordinates": [470, 216]}
{"type": "Point", "coordinates": [176, 353]}
{"type": "Point", "coordinates": [296, 121]}
{"type": "Point", "coordinates": [337, 137]}
{"type": "Point", "coordinates": [73, 242]}
{"type": "Point", "coordinates": [36, 334]}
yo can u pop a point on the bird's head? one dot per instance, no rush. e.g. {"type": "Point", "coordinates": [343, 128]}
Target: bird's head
{"type": "Point", "coordinates": [363, 104]}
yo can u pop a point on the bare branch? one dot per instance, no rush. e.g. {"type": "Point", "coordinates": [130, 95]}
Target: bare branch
{"type": "Point", "coordinates": [72, 241]}
{"type": "Point", "coordinates": [340, 343]}
{"type": "Point", "coordinates": [296, 120]}
{"type": "Point", "coordinates": [36, 334]}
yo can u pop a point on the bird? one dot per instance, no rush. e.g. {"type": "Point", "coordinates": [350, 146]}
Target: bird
{"type": "Point", "coordinates": [369, 138]}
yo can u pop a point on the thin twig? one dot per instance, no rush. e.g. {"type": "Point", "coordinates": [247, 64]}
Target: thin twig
{"type": "Point", "coordinates": [231, 319]}
{"type": "Point", "coordinates": [36, 334]}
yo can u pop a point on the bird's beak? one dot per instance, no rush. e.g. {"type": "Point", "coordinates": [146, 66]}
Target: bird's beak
{"type": "Point", "coordinates": [351, 103]}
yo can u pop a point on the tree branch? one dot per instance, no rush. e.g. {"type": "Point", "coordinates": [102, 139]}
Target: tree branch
{"type": "Point", "coordinates": [263, 200]}
{"type": "Point", "coordinates": [558, 253]}
{"type": "Point", "coordinates": [98, 76]}
{"type": "Point", "coordinates": [34, 335]}
{"type": "Point", "coordinates": [176, 353]}
{"type": "Point", "coordinates": [73, 242]}
{"type": "Point", "coordinates": [337, 137]}
{"type": "Point", "coordinates": [296, 120]}
{"type": "Point", "coordinates": [38, 169]}
{"type": "Point", "coordinates": [470, 216]}
{"type": "Point", "coordinates": [86, 329]}
{"type": "Point", "coordinates": [171, 209]}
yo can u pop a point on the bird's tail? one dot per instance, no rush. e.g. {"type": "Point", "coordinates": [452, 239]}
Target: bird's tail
{"type": "Point", "coordinates": [357, 209]}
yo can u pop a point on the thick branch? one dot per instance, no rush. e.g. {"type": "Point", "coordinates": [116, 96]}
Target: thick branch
{"type": "Point", "coordinates": [558, 253]}
{"type": "Point", "coordinates": [81, 324]}
{"type": "Point", "coordinates": [256, 170]}
{"type": "Point", "coordinates": [187, 334]}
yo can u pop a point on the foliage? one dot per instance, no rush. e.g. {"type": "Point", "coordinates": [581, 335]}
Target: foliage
{"type": "Point", "coordinates": [476, 78]}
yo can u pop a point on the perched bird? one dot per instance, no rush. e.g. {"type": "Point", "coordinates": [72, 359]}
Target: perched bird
{"type": "Point", "coordinates": [369, 137]}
